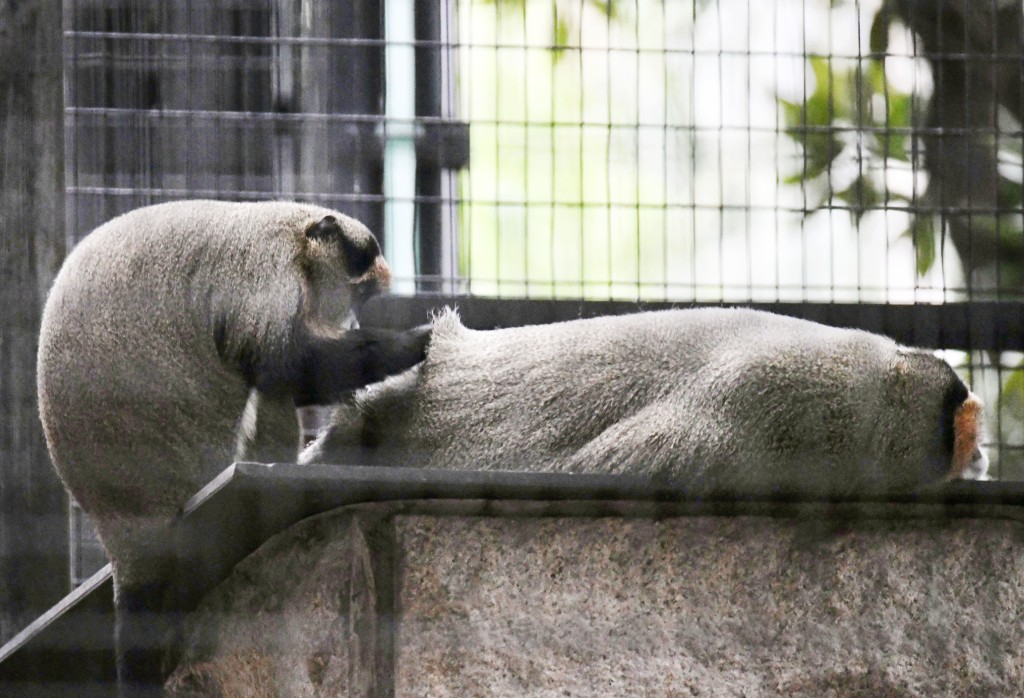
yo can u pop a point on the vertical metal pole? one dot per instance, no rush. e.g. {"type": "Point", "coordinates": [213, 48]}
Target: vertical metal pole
{"type": "Point", "coordinates": [436, 186]}
{"type": "Point", "coordinates": [428, 174]}
{"type": "Point", "coordinates": [400, 144]}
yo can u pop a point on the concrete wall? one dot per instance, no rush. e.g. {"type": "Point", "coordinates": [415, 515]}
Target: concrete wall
{"type": "Point", "coordinates": [483, 598]}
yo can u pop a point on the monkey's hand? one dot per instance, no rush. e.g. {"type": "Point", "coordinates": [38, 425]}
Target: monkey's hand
{"type": "Point", "coordinates": [332, 367]}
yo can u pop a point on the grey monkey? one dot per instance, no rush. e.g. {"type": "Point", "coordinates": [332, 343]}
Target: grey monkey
{"type": "Point", "coordinates": [729, 400]}
{"type": "Point", "coordinates": [179, 337]}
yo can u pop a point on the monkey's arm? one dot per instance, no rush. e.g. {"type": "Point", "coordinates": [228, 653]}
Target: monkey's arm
{"type": "Point", "coordinates": [332, 367]}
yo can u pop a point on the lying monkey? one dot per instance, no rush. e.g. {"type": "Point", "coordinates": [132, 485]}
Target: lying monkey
{"type": "Point", "coordinates": [718, 399]}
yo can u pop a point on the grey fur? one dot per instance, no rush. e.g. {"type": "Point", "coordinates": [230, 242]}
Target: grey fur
{"type": "Point", "coordinates": [721, 399]}
{"type": "Point", "coordinates": [140, 392]}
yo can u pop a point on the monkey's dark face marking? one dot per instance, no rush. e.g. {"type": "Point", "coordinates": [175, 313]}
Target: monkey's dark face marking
{"type": "Point", "coordinates": [955, 396]}
{"type": "Point", "coordinates": [360, 254]}
{"type": "Point", "coordinates": [370, 284]}
{"type": "Point", "coordinates": [353, 259]}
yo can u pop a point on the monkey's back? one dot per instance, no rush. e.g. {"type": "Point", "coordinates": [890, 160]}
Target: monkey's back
{"type": "Point", "coordinates": [720, 398]}
{"type": "Point", "coordinates": [138, 406]}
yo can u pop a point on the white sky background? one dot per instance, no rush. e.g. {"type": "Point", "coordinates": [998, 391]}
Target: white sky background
{"type": "Point", "coordinates": [694, 141]}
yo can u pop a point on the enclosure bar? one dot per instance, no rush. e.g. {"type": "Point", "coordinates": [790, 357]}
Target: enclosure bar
{"type": "Point", "coordinates": [172, 192]}
{"type": "Point", "coordinates": [1008, 57]}
{"type": "Point", "coordinates": [411, 121]}
{"type": "Point", "coordinates": [975, 325]}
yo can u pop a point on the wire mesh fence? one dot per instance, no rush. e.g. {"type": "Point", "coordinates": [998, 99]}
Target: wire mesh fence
{"type": "Point", "coordinates": [797, 151]}
{"type": "Point", "coordinates": [745, 151]}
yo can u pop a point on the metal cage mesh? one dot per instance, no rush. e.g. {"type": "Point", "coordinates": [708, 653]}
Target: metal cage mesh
{"type": "Point", "coordinates": [802, 151]}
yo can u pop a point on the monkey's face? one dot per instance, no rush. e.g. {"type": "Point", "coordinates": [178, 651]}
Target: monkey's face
{"type": "Point", "coordinates": [977, 468]}
{"type": "Point", "coordinates": [344, 268]}
{"type": "Point", "coordinates": [374, 281]}
{"type": "Point", "coordinates": [934, 430]}
{"type": "Point", "coordinates": [969, 461]}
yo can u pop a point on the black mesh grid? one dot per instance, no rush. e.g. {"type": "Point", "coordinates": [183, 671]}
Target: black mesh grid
{"type": "Point", "coordinates": [819, 152]}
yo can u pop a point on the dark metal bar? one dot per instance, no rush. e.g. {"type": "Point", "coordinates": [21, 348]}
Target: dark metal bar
{"type": "Point", "coordinates": [975, 325]}
{"type": "Point", "coordinates": [428, 174]}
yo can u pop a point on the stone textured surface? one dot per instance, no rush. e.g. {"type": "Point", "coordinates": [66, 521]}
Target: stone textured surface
{"type": "Point", "coordinates": [709, 606]}
{"type": "Point", "coordinates": [296, 618]}
{"type": "Point", "coordinates": [577, 606]}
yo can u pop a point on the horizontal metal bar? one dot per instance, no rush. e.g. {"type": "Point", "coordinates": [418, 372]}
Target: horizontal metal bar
{"type": "Point", "coordinates": [254, 40]}
{"type": "Point", "coordinates": [243, 116]}
{"type": "Point", "coordinates": [317, 117]}
{"type": "Point", "coordinates": [686, 51]}
{"type": "Point", "coordinates": [688, 291]}
{"type": "Point", "coordinates": [977, 325]}
{"type": "Point", "coordinates": [531, 204]}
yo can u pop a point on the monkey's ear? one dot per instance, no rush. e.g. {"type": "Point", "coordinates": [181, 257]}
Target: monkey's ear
{"type": "Point", "coordinates": [326, 229]}
{"type": "Point", "coordinates": [359, 248]}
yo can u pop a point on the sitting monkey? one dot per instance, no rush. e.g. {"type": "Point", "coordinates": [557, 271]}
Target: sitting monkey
{"type": "Point", "coordinates": [180, 337]}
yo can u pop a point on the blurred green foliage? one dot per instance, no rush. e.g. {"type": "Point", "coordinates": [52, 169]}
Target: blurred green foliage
{"type": "Point", "coordinates": [961, 138]}
{"type": "Point", "coordinates": [564, 20]}
{"type": "Point", "coordinates": [854, 117]}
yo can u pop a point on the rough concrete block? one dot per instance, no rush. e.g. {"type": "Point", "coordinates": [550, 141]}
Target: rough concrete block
{"type": "Point", "coordinates": [374, 600]}
{"type": "Point", "coordinates": [297, 618]}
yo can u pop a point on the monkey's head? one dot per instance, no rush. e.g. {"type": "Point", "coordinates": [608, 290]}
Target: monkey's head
{"type": "Point", "coordinates": [342, 268]}
{"type": "Point", "coordinates": [939, 407]}
{"type": "Point", "coordinates": [969, 460]}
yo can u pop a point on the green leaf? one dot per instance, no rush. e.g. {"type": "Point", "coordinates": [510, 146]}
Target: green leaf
{"type": "Point", "coordinates": [820, 145]}
{"type": "Point", "coordinates": [1009, 195]}
{"type": "Point", "coordinates": [922, 233]}
{"type": "Point", "coordinates": [820, 109]}
{"type": "Point", "coordinates": [861, 196]}
{"type": "Point", "coordinates": [609, 8]}
{"type": "Point", "coordinates": [876, 76]}
{"type": "Point", "coordinates": [1013, 388]}
{"type": "Point", "coordinates": [892, 145]}
{"type": "Point", "coordinates": [820, 151]}
{"type": "Point", "coordinates": [900, 110]}
{"type": "Point", "coordinates": [561, 37]}
{"type": "Point", "coordinates": [792, 113]}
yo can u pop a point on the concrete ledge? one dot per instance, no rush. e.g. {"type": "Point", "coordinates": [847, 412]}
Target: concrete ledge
{"type": "Point", "coordinates": [502, 579]}
{"type": "Point", "coordinates": [475, 597]}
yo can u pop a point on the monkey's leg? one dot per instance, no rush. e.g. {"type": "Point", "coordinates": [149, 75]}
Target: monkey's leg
{"type": "Point", "coordinates": [146, 607]}
{"type": "Point", "coordinates": [663, 441]}
{"type": "Point", "coordinates": [268, 431]}
{"type": "Point", "coordinates": [142, 632]}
